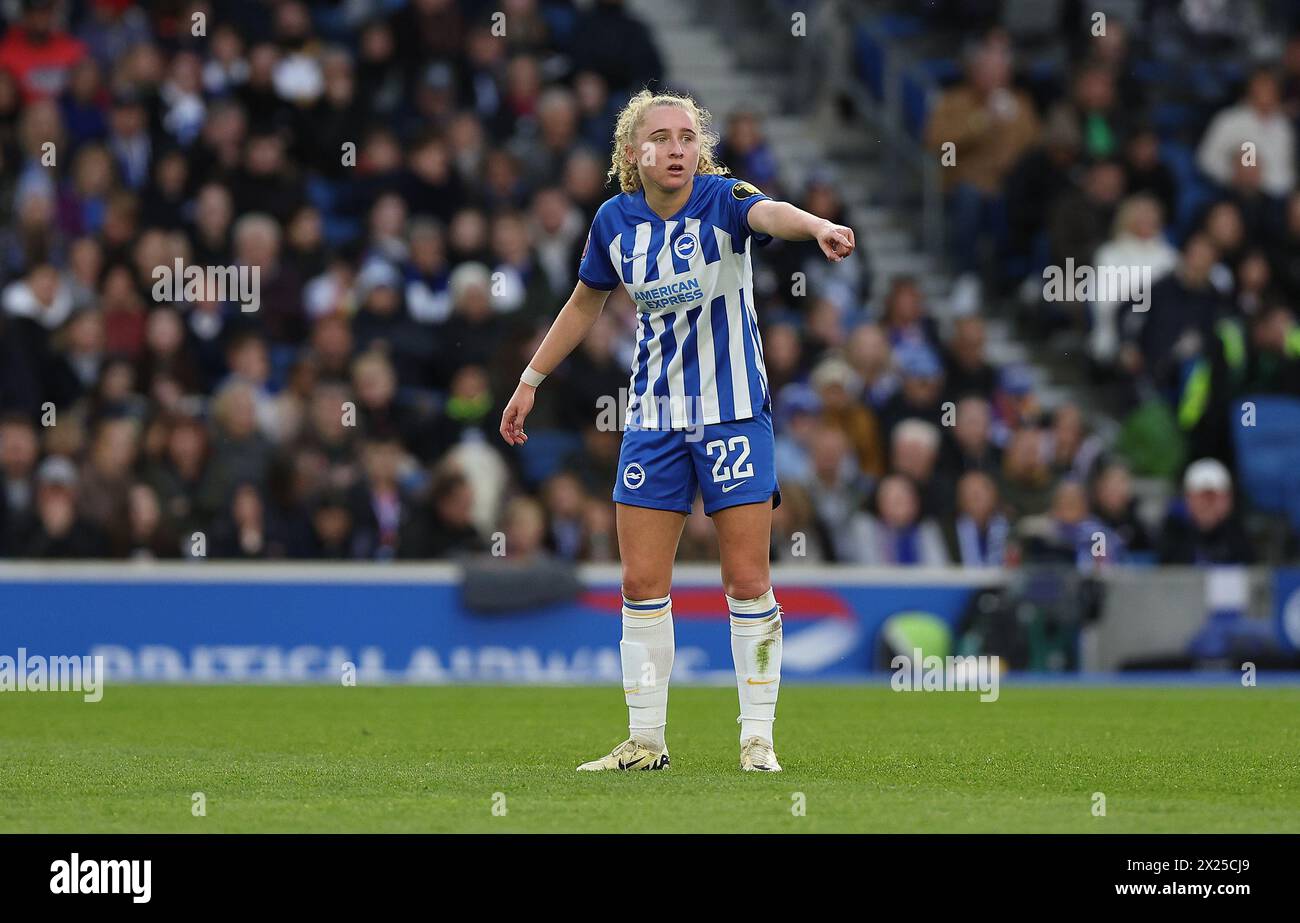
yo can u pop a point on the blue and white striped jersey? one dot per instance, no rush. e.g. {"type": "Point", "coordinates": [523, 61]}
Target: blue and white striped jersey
{"type": "Point", "coordinates": [698, 357]}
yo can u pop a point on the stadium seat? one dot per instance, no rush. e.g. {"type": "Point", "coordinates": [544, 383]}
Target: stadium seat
{"type": "Point", "coordinates": [1268, 454]}
{"type": "Point", "coordinates": [545, 453]}
{"type": "Point", "coordinates": [898, 26]}
{"type": "Point", "coordinates": [871, 63]}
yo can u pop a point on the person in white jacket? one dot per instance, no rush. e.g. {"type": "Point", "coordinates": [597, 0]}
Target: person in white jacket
{"type": "Point", "coordinates": [1258, 120]}
{"type": "Point", "coordinates": [1138, 241]}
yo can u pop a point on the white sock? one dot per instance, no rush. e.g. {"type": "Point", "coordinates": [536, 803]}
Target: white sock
{"type": "Point", "coordinates": [647, 654]}
{"type": "Point", "coordinates": [756, 650]}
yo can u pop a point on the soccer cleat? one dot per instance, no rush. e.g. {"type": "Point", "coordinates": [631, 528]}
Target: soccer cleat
{"type": "Point", "coordinates": [631, 754]}
{"type": "Point", "coordinates": [757, 755]}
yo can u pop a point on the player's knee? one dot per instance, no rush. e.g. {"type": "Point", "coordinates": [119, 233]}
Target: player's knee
{"type": "Point", "coordinates": [645, 586]}
{"type": "Point", "coordinates": [747, 586]}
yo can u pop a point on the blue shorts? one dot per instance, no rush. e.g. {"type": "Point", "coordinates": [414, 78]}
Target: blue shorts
{"type": "Point", "coordinates": [730, 463]}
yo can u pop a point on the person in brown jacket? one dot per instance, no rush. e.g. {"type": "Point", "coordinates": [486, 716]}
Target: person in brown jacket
{"type": "Point", "coordinates": [978, 129]}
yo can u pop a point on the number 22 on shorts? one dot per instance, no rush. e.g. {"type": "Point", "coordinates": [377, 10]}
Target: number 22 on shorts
{"type": "Point", "coordinates": [739, 470]}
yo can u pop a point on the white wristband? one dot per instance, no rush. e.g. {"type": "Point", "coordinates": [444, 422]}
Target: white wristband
{"type": "Point", "coordinates": [532, 377]}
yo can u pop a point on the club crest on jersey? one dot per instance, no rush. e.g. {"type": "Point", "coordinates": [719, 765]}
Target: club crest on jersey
{"type": "Point", "coordinates": [743, 190]}
{"type": "Point", "coordinates": [686, 246]}
{"type": "Point", "coordinates": [633, 476]}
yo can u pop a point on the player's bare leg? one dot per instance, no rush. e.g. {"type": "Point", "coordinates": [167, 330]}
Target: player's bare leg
{"type": "Point", "coordinates": [744, 538]}
{"type": "Point", "coordinates": [647, 542]}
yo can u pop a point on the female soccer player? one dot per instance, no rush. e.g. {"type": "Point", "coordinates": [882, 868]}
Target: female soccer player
{"type": "Point", "coordinates": [699, 412]}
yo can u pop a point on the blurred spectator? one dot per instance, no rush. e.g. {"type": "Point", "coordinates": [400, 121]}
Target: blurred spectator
{"type": "Point", "coordinates": [245, 531]}
{"type": "Point", "coordinates": [796, 536]}
{"type": "Point", "coordinates": [1116, 507]}
{"type": "Point", "coordinates": [980, 532]}
{"type": "Point", "coordinates": [967, 369]}
{"type": "Point", "coordinates": [837, 488]}
{"type": "Point", "coordinates": [1261, 356]}
{"type": "Point", "coordinates": [59, 530]}
{"type": "Point", "coordinates": [990, 124]}
{"type": "Point", "coordinates": [1035, 183]}
{"type": "Point", "coordinates": [836, 386]}
{"type": "Point", "coordinates": [1091, 113]}
{"type": "Point", "coordinates": [107, 478]}
{"type": "Point", "coordinates": [625, 64]}
{"type": "Point", "coordinates": [524, 528]}
{"type": "Point", "coordinates": [921, 391]}
{"type": "Point", "coordinates": [1146, 173]}
{"type": "Point", "coordinates": [442, 524]}
{"type": "Point", "coordinates": [905, 319]}
{"type": "Point", "coordinates": [1284, 254]}
{"type": "Point", "coordinates": [746, 152]}
{"type": "Point", "coordinates": [1072, 449]}
{"type": "Point", "coordinates": [146, 535]}
{"type": "Point", "coordinates": [1082, 217]}
{"type": "Point", "coordinates": [1257, 120]}
{"type": "Point", "coordinates": [19, 454]}
{"type": "Point", "coordinates": [1202, 528]}
{"type": "Point", "coordinates": [971, 447]}
{"type": "Point", "coordinates": [38, 53]}
{"type": "Point", "coordinates": [896, 535]}
{"type": "Point", "coordinates": [914, 452]}
{"type": "Point", "coordinates": [1184, 306]}
{"type": "Point", "coordinates": [379, 505]}
{"type": "Point", "coordinates": [798, 410]}
{"type": "Point", "coordinates": [1026, 475]}
{"type": "Point", "coordinates": [1138, 240]}
{"type": "Point", "coordinates": [182, 477]}
{"type": "Point", "coordinates": [565, 500]}
{"type": "Point", "coordinates": [1067, 534]}
{"type": "Point", "coordinates": [868, 352]}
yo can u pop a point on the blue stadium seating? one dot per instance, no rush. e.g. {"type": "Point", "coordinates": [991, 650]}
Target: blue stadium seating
{"type": "Point", "coordinates": [1268, 454]}
{"type": "Point", "coordinates": [545, 453]}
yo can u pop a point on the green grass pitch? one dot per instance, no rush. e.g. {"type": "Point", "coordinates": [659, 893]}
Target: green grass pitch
{"type": "Point", "coordinates": [407, 759]}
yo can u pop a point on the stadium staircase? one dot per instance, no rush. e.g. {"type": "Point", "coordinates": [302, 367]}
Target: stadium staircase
{"type": "Point", "coordinates": [742, 56]}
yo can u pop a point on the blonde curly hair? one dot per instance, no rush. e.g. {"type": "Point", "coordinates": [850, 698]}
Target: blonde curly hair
{"type": "Point", "coordinates": [629, 120]}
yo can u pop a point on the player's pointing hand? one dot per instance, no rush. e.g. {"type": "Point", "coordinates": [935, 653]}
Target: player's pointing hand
{"type": "Point", "coordinates": [836, 241]}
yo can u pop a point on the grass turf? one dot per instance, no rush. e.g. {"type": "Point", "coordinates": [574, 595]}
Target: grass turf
{"type": "Point", "coordinates": [406, 759]}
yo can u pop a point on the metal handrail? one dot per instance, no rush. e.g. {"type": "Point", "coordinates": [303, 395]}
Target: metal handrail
{"type": "Point", "coordinates": [905, 151]}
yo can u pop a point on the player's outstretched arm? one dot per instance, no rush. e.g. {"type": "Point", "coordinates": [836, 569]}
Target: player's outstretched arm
{"type": "Point", "coordinates": [568, 329]}
{"type": "Point", "coordinates": [783, 220]}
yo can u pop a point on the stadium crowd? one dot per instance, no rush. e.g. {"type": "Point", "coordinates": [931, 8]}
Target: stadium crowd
{"type": "Point", "coordinates": [415, 188]}
{"type": "Point", "coordinates": [1163, 147]}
